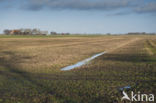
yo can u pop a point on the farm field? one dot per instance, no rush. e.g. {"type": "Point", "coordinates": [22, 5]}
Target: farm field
{"type": "Point", "coordinates": [30, 68]}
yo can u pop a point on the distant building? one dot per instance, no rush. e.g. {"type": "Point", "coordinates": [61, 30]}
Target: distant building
{"type": "Point", "coordinates": [15, 32]}
{"type": "Point", "coordinates": [136, 33]}
{"type": "Point", "coordinates": [25, 32]}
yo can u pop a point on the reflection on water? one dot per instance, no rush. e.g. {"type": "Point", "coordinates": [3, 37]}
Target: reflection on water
{"type": "Point", "coordinates": [79, 64]}
{"type": "Point", "coordinates": [125, 88]}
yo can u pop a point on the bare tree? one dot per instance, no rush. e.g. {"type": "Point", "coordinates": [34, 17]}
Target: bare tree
{"type": "Point", "coordinates": [35, 31]}
{"type": "Point", "coordinates": [7, 32]}
{"type": "Point", "coordinates": [53, 33]}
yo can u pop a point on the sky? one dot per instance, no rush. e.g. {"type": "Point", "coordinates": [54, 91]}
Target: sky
{"type": "Point", "coordinates": [79, 16]}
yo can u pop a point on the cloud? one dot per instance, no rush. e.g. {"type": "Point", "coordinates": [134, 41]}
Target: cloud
{"type": "Point", "coordinates": [119, 13]}
{"type": "Point", "coordinates": [147, 8]}
{"type": "Point", "coordinates": [78, 4]}
{"type": "Point", "coordinates": [132, 6]}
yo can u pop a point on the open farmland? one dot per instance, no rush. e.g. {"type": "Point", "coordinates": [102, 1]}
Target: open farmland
{"type": "Point", "coordinates": [30, 68]}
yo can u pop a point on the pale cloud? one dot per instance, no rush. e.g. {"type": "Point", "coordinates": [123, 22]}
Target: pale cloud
{"type": "Point", "coordinates": [147, 8]}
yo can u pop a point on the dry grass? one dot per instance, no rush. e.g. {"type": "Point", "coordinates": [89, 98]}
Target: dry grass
{"type": "Point", "coordinates": [51, 54]}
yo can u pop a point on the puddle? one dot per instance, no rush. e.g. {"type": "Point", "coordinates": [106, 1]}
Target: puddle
{"type": "Point", "coordinates": [79, 64]}
{"type": "Point", "coordinates": [126, 87]}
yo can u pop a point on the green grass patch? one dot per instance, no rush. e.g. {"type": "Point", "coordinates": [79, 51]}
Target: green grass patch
{"type": "Point", "coordinates": [48, 36]}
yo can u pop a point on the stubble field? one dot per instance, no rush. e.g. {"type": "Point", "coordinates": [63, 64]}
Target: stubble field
{"type": "Point", "coordinates": [30, 68]}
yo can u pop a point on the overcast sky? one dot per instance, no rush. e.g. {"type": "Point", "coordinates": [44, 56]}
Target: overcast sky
{"type": "Point", "coordinates": [79, 16]}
